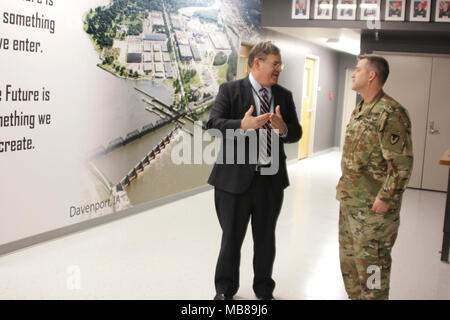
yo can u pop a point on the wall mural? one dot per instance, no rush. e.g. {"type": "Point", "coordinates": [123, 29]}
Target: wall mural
{"type": "Point", "coordinates": [103, 104]}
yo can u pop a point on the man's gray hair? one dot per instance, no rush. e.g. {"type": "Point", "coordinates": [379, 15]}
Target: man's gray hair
{"type": "Point", "coordinates": [261, 51]}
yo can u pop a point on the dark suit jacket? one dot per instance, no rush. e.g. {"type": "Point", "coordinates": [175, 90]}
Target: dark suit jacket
{"type": "Point", "coordinates": [232, 102]}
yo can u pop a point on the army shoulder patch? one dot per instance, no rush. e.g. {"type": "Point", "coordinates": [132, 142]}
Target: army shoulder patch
{"type": "Point", "coordinates": [394, 139]}
{"type": "Point", "coordinates": [394, 133]}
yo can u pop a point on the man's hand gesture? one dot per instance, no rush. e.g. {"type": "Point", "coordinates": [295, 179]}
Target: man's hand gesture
{"type": "Point", "coordinates": [277, 122]}
{"type": "Point", "coordinates": [251, 122]}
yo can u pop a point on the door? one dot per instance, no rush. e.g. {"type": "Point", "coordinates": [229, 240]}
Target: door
{"type": "Point", "coordinates": [438, 130]}
{"type": "Point", "coordinates": [421, 85]}
{"type": "Point", "coordinates": [349, 104]}
{"type": "Point", "coordinates": [413, 93]}
{"type": "Point", "coordinates": [242, 68]}
{"type": "Point", "coordinates": [307, 107]}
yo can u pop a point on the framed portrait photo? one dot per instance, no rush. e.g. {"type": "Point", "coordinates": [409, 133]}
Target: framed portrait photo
{"type": "Point", "coordinates": [370, 9]}
{"type": "Point", "coordinates": [442, 11]}
{"type": "Point", "coordinates": [346, 10]}
{"type": "Point", "coordinates": [323, 9]}
{"type": "Point", "coordinates": [420, 10]}
{"type": "Point", "coordinates": [300, 9]}
{"type": "Point", "coordinates": [395, 10]}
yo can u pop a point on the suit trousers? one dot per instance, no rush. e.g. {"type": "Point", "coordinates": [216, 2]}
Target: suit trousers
{"type": "Point", "coordinates": [262, 203]}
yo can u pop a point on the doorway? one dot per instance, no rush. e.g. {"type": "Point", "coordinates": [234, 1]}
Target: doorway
{"type": "Point", "coordinates": [308, 105]}
{"type": "Point", "coordinates": [243, 69]}
{"type": "Point", "coordinates": [349, 104]}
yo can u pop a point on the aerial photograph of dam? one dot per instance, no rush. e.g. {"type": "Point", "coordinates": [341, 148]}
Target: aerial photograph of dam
{"type": "Point", "coordinates": [163, 63]}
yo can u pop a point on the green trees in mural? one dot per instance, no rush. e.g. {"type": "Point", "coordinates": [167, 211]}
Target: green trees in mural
{"type": "Point", "coordinates": [135, 28]}
{"type": "Point", "coordinates": [232, 65]}
{"type": "Point", "coordinates": [177, 86]}
{"type": "Point", "coordinates": [102, 22]}
{"type": "Point", "coordinates": [188, 75]}
{"type": "Point", "coordinates": [220, 59]}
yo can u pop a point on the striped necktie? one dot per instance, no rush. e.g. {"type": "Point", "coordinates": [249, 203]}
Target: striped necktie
{"type": "Point", "coordinates": [265, 150]}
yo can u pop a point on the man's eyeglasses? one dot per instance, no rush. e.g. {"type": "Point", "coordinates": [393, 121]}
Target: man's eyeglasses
{"type": "Point", "coordinates": [275, 65]}
{"type": "Point", "coordinates": [278, 65]}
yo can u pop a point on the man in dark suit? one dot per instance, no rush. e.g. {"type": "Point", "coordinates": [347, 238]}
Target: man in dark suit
{"type": "Point", "coordinates": [246, 185]}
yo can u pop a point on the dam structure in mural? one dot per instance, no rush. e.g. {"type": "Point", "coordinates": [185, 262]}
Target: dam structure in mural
{"type": "Point", "coordinates": [189, 47]}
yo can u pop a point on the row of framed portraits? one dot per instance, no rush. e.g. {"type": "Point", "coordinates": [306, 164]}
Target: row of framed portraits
{"type": "Point", "coordinates": [395, 10]}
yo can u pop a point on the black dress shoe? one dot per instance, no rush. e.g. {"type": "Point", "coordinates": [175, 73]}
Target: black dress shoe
{"type": "Point", "coordinates": [266, 297]}
{"type": "Point", "coordinates": [222, 296]}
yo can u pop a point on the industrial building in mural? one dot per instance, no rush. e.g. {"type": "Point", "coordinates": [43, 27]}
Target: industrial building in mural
{"type": "Point", "coordinates": [172, 56]}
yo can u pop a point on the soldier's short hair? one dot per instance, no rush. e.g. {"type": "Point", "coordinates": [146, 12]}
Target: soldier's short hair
{"type": "Point", "coordinates": [380, 65]}
{"type": "Point", "coordinates": [261, 51]}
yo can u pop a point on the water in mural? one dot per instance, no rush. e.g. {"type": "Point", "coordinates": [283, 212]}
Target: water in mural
{"type": "Point", "coordinates": [96, 95]}
{"type": "Point", "coordinates": [163, 63]}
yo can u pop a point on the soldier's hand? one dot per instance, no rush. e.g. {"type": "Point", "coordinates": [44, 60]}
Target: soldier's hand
{"type": "Point", "coordinates": [379, 206]}
{"type": "Point", "coordinates": [251, 122]}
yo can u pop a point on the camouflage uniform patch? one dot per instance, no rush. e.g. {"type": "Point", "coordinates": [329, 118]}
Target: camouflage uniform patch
{"type": "Point", "coordinates": [376, 162]}
{"type": "Point", "coordinates": [395, 133]}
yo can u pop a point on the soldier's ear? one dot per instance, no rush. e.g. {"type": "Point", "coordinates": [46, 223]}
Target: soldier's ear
{"type": "Point", "coordinates": [372, 75]}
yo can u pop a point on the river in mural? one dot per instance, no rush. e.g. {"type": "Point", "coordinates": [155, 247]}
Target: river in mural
{"type": "Point", "coordinates": [163, 62]}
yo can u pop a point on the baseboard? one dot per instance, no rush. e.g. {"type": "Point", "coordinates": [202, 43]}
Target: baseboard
{"type": "Point", "coordinates": [319, 153]}
{"type": "Point", "coordinates": [82, 226]}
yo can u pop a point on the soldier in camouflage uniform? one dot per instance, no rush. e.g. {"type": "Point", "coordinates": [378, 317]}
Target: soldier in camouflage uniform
{"type": "Point", "coordinates": [376, 165]}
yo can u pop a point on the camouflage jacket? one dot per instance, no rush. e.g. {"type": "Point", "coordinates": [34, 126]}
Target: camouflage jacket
{"type": "Point", "coordinates": [377, 158]}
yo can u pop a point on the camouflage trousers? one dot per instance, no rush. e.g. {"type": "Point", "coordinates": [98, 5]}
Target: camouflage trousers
{"type": "Point", "coordinates": [366, 239]}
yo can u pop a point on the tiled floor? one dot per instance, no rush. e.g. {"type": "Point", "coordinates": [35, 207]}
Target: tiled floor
{"type": "Point", "coordinates": [170, 252]}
